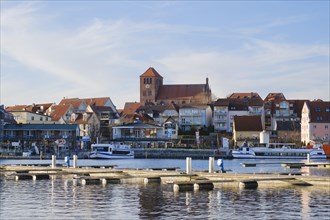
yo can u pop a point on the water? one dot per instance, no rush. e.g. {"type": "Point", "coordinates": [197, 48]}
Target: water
{"type": "Point", "coordinates": [64, 199]}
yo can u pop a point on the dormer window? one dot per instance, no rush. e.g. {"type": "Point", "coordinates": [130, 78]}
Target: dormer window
{"type": "Point", "coordinates": [73, 117]}
{"type": "Point", "coordinates": [85, 116]}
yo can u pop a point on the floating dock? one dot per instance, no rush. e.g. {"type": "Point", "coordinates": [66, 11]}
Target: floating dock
{"type": "Point", "coordinates": [177, 179]}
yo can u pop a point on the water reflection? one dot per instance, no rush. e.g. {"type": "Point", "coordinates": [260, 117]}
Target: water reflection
{"type": "Point", "coordinates": [61, 198]}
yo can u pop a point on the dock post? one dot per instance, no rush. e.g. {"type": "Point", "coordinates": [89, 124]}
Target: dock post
{"type": "Point", "coordinates": [211, 164]}
{"type": "Point", "coordinates": [188, 165]}
{"type": "Point", "coordinates": [75, 161]}
{"type": "Point", "coordinates": [53, 161]}
{"type": "Point", "coordinates": [308, 158]}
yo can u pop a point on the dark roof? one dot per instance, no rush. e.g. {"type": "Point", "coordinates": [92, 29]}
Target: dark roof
{"type": "Point", "coordinates": [247, 123]}
{"type": "Point", "coordinates": [138, 125]}
{"type": "Point", "coordinates": [221, 102]}
{"type": "Point", "coordinates": [287, 126]}
{"type": "Point", "coordinates": [41, 127]}
{"type": "Point", "coordinates": [274, 96]}
{"type": "Point", "coordinates": [183, 91]}
{"type": "Point", "coordinates": [319, 111]}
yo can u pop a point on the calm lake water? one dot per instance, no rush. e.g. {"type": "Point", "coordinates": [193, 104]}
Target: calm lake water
{"type": "Point", "coordinates": [63, 199]}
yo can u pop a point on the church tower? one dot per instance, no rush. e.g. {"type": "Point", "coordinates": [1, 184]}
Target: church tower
{"type": "Point", "coordinates": [150, 82]}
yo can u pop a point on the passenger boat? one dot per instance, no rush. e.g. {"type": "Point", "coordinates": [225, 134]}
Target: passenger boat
{"type": "Point", "coordinates": [111, 151]}
{"type": "Point", "coordinates": [326, 149]}
{"type": "Point", "coordinates": [284, 152]}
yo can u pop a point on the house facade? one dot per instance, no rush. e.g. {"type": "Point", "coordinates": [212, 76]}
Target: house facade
{"type": "Point", "coordinates": [315, 122]}
{"type": "Point", "coordinates": [194, 116]}
{"type": "Point", "coordinates": [247, 129]}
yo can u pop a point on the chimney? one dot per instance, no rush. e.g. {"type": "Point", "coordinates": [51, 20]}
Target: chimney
{"type": "Point", "coordinates": [207, 81]}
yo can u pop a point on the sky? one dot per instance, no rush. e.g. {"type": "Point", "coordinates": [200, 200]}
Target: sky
{"type": "Point", "coordinates": [83, 49]}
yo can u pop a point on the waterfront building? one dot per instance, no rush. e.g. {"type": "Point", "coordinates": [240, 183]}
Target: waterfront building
{"type": "Point", "coordinates": [139, 134]}
{"type": "Point", "coordinates": [152, 90]}
{"type": "Point", "coordinates": [278, 108]}
{"type": "Point", "coordinates": [194, 116]}
{"type": "Point", "coordinates": [46, 137]}
{"type": "Point", "coordinates": [287, 132]}
{"type": "Point", "coordinates": [247, 128]}
{"type": "Point", "coordinates": [315, 122]}
{"type": "Point", "coordinates": [236, 104]}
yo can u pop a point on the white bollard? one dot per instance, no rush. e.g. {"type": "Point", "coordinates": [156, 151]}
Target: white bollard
{"type": "Point", "coordinates": [75, 161]}
{"type": "Point", "coordinates": [188, 165]}
{"type": "Point", "coordinates": [211, 164]}
{"type": "Point", "coordinates": [308, 158]}
{"type": "Point", "coordinates": [53, 161]}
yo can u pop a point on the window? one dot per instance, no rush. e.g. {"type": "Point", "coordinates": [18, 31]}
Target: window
{"type": "Point", "coordinates": [319, 118]}
{"type": "Point", "coordinates": [326, 127]}
{"type": "Point", "coordinates": [149, 93]}
{"type": "Point", "coordinates": [317, 109]}
{"type": "Point", "coordinates": [327, 110]}
{"type": "Point", "coordinates": [32, 118]}
{"type": "Point", "coordinates": [40, 118]}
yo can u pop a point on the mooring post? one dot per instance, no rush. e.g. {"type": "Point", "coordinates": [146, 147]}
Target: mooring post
{"type": "Point", "coordinates": [188, 165]}
{"type": "Point", "coordinates": [308, 158]}
{"type": "Point", "coordinates": [75, 161]}
{"type": "Point", "coordinates": [211, 164]}
{"type": "Point", "coordinates": [53, 161]}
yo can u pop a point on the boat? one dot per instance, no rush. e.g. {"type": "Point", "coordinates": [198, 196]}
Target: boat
{"type": "Point", "coordinates": [275, 152]}
{"type": "Point", "coordinates": [326, 149]}
{"type": "Point", "coordinates": [111, 151]}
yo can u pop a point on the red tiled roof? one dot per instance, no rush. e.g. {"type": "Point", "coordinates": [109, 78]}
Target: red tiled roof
{"type": "Point", "coordinates": [173, 92]}
{"type": "Point", "coordinates": [75, 102]}
{"type": "Point", "coordinates": [58, 111]}
{"type": "Point", "coordinates": [247, 123]}
{"type": "Point", "coordinates": [275, 96]}
{"type": "Point", "coordinates": [244, 95]}
{"type": "Point", "coordinates": [151, 72]}
{"type": "Point", "coordinates": [101, 101]}
{"type": "Point", "coordinates": [130, 107]}
{"type": "Point", "coordinates": [16, 108]}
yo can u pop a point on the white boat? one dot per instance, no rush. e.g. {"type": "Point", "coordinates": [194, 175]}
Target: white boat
{"type": "Point", "coordinates": [111, 151]}
{"type": "Point", "coordinates": [284, 152]}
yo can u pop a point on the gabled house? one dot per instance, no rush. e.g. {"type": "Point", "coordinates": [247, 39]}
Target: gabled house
{"type": "Point", "coordinates": [89, 126]}
{"type": "Point", "coordinates": [288, 132]}
{"type": "Point", "coordinates": [315, 122]}
{"type": "Point", "coordinates": [247, 128]}
{"type": "Point", "coordinates": [61, 113]}
{"type": "Point", "coordinates": [31, 114]}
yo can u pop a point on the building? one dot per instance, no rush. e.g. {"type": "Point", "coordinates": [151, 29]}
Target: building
{"type": "Point", "coordinates": [49, 138]}
{"type": "Point", "coordinates": [236, 104]}
{"type": "Point", "coordinates": [194, 117]}
{"type": "Point", "coordinates": [152, 90]}
{"type": "Point", "coordinates": [315, 122]}
{"type": "Point", "coordinates": [31, 114]}
{"type": "Point", "coordinates": [247, 129]}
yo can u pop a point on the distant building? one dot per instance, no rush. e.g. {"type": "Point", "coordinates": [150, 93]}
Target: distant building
{"type": "Point", "coordinates": [236, 104]}
{"type": "Point", "coordinates": [194, 116]}
{"type": "Point", "coordinates": [152, 90]}
{"type": "Point", "coordinates": [315, 122]}
{"type": "Point", "coordinates": [247, 128]}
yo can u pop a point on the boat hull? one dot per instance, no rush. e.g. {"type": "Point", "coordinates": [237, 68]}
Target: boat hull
{"type": "Point", "coordinates": [106, 155]}
{"type": "Point", "coordinates": [265, 153]}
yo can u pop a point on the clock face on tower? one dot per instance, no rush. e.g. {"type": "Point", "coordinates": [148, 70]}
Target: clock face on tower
{"type": "Point", "coordinates": [147, 86]}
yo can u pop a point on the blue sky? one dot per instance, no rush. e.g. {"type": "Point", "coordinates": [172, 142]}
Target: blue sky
{"type": "Point", "coordinates": [56, 49]}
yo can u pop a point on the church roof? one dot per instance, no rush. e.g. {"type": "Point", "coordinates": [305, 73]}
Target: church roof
{"type": "Point", "coordinates": [180, 91]}
{"type": "Point", "coordinates": [151, 72]}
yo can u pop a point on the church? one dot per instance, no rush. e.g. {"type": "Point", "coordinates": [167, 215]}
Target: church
{"type": "Point", "coordinates": [153, 91]}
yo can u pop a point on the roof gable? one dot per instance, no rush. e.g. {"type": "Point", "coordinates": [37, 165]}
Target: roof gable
{"type": "Point", "coordinates": [151, 72]}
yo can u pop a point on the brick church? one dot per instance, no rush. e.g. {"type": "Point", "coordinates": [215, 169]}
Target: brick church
{"type": "Point", "coordinates": [152, 91]}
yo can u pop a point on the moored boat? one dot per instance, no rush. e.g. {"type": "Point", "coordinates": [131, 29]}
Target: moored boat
{"type": "Point", "coordinates": [111, 151]}
{"type": "Point", "coordinates": [284, 152]}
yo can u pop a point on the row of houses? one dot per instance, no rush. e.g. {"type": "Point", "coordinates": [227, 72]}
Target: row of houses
{"type": "Point", "coordinates": [167, 112]}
